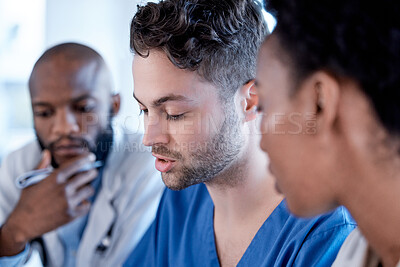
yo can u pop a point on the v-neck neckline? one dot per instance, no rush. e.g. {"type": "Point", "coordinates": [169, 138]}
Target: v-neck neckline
{"type": "Point", "coordinates": [211, 234]}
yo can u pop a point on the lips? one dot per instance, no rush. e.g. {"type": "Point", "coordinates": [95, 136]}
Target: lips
{"type": "Point", "coordinates": [69, 149]}
{"type": "Point", "coordinates": [164, 164]}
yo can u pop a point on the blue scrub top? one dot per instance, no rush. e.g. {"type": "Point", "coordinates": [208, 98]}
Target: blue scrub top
{"type": "Point", "coordinates": [183, 235]}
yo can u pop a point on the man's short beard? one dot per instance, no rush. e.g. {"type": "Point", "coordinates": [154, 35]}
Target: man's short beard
{"type": "Point", "coordinates": [210, 160]}
{"type": "Point", "coordinates": [100, 148]}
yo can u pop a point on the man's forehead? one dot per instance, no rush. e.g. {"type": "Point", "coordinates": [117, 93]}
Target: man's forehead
{"type": "Point", "coordinates": [73, 99]}
{"type": "Point", "coordinates": [158, 94]}
{"type": "Point", "coordinates": [155, 78]}
{"type": "Point", "coordinates": [159, 101]}
{"type": "Point", "coordinates": [157, 68]}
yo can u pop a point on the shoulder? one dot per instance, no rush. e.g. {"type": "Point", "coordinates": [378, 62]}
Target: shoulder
{"type": "Point", "coordinates": [324, 236]}
{"type": "Point", "coordinates": [308, 228]}
{"type": "Point", "coordinates": [25, 151]}
{"type": "Point", "coordinates": [16, 163]}
{"type": "Point", "coordinates": [338, 220]}
{"type": "Point", "coordinates": [316, 240]}
{"type": "Point", "coordinates": [23, 159]}
{"type": "Point", "coordinates": [335, 225]}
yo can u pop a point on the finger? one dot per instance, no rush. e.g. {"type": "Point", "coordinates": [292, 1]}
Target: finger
{"type": "Point", "coordinates": [79, 180]}
{"type": "Point", "coordinates": [45, 161]}
{"type": "Point", "coordinates": [80, 196]}
{"type": "Point", "coordinates": [83, 208]}
{"type": "Point", "coordinates": [71, 168]}
{"type": "Point", "coordinates": [80, 210]}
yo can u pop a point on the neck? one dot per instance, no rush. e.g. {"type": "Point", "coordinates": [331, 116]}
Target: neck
{"type": "Point", "coordinates": [241, 204]}
{"type": "Point", "coordinates": [374, 202]}
{"type": "Point", "coordinates": [252, 194]}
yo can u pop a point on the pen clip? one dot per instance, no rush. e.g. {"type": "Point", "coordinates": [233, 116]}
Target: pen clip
{"type": "Point", "coordinates": [35, 176]}
{"type": "Point", "coordinates": [32, 177]}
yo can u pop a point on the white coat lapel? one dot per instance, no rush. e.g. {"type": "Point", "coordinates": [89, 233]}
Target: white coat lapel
{"type": "Point", "coordinates": [103, 214]}
{"type": "Point", "coordinates": [102, 217]}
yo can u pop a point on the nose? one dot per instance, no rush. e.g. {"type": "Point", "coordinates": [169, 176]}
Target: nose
{"type": "Point", "coordinates": [65, 122]}
{"type": "Point", "coordinates": [155, 131]}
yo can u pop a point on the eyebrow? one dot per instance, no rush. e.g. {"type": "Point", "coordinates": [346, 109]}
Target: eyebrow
{"type": "Point", "coordinates": [79, 98]}
{"type": "Point", "coordinates": [162, 100]}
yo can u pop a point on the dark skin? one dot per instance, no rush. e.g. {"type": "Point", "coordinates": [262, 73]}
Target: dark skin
{"type": "Point", "coordinates": [71, 101]}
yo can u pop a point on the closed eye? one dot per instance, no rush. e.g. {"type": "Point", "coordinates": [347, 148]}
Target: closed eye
{"type": "Point", "coordinates": [174, 117]}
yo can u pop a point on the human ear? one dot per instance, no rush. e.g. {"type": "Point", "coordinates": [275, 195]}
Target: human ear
{"type": "Point", "coordinates": [324, 90]}
{"type": "Point", "coordinates": [115, 103]}
{"type": "Point", "coordinates": [249, 101]}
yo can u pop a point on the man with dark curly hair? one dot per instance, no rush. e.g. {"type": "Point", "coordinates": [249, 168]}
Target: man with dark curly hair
{"type": "Point", "coordinates": [193, 73]}
{"type": "Point", "coordinates": [338, 60]}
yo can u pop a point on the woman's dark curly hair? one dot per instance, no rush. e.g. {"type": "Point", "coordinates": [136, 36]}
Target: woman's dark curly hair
{"type": "Point", "coordinates": [357, 39]}
{"type": "Point", "coordinates": [217, 39]}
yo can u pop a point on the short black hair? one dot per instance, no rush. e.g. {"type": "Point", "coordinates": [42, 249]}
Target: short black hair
{"type": "Point", "coordinates": [357, 39]}
{"type": "Point", "coordinates": [217, 39]}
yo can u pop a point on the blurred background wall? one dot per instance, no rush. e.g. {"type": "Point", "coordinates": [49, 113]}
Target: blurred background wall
{"type": "Point", "coordinates": [28, 27]}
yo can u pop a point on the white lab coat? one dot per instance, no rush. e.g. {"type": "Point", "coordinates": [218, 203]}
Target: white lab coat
{"type": "Point", "coordinates": [130, 193]}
